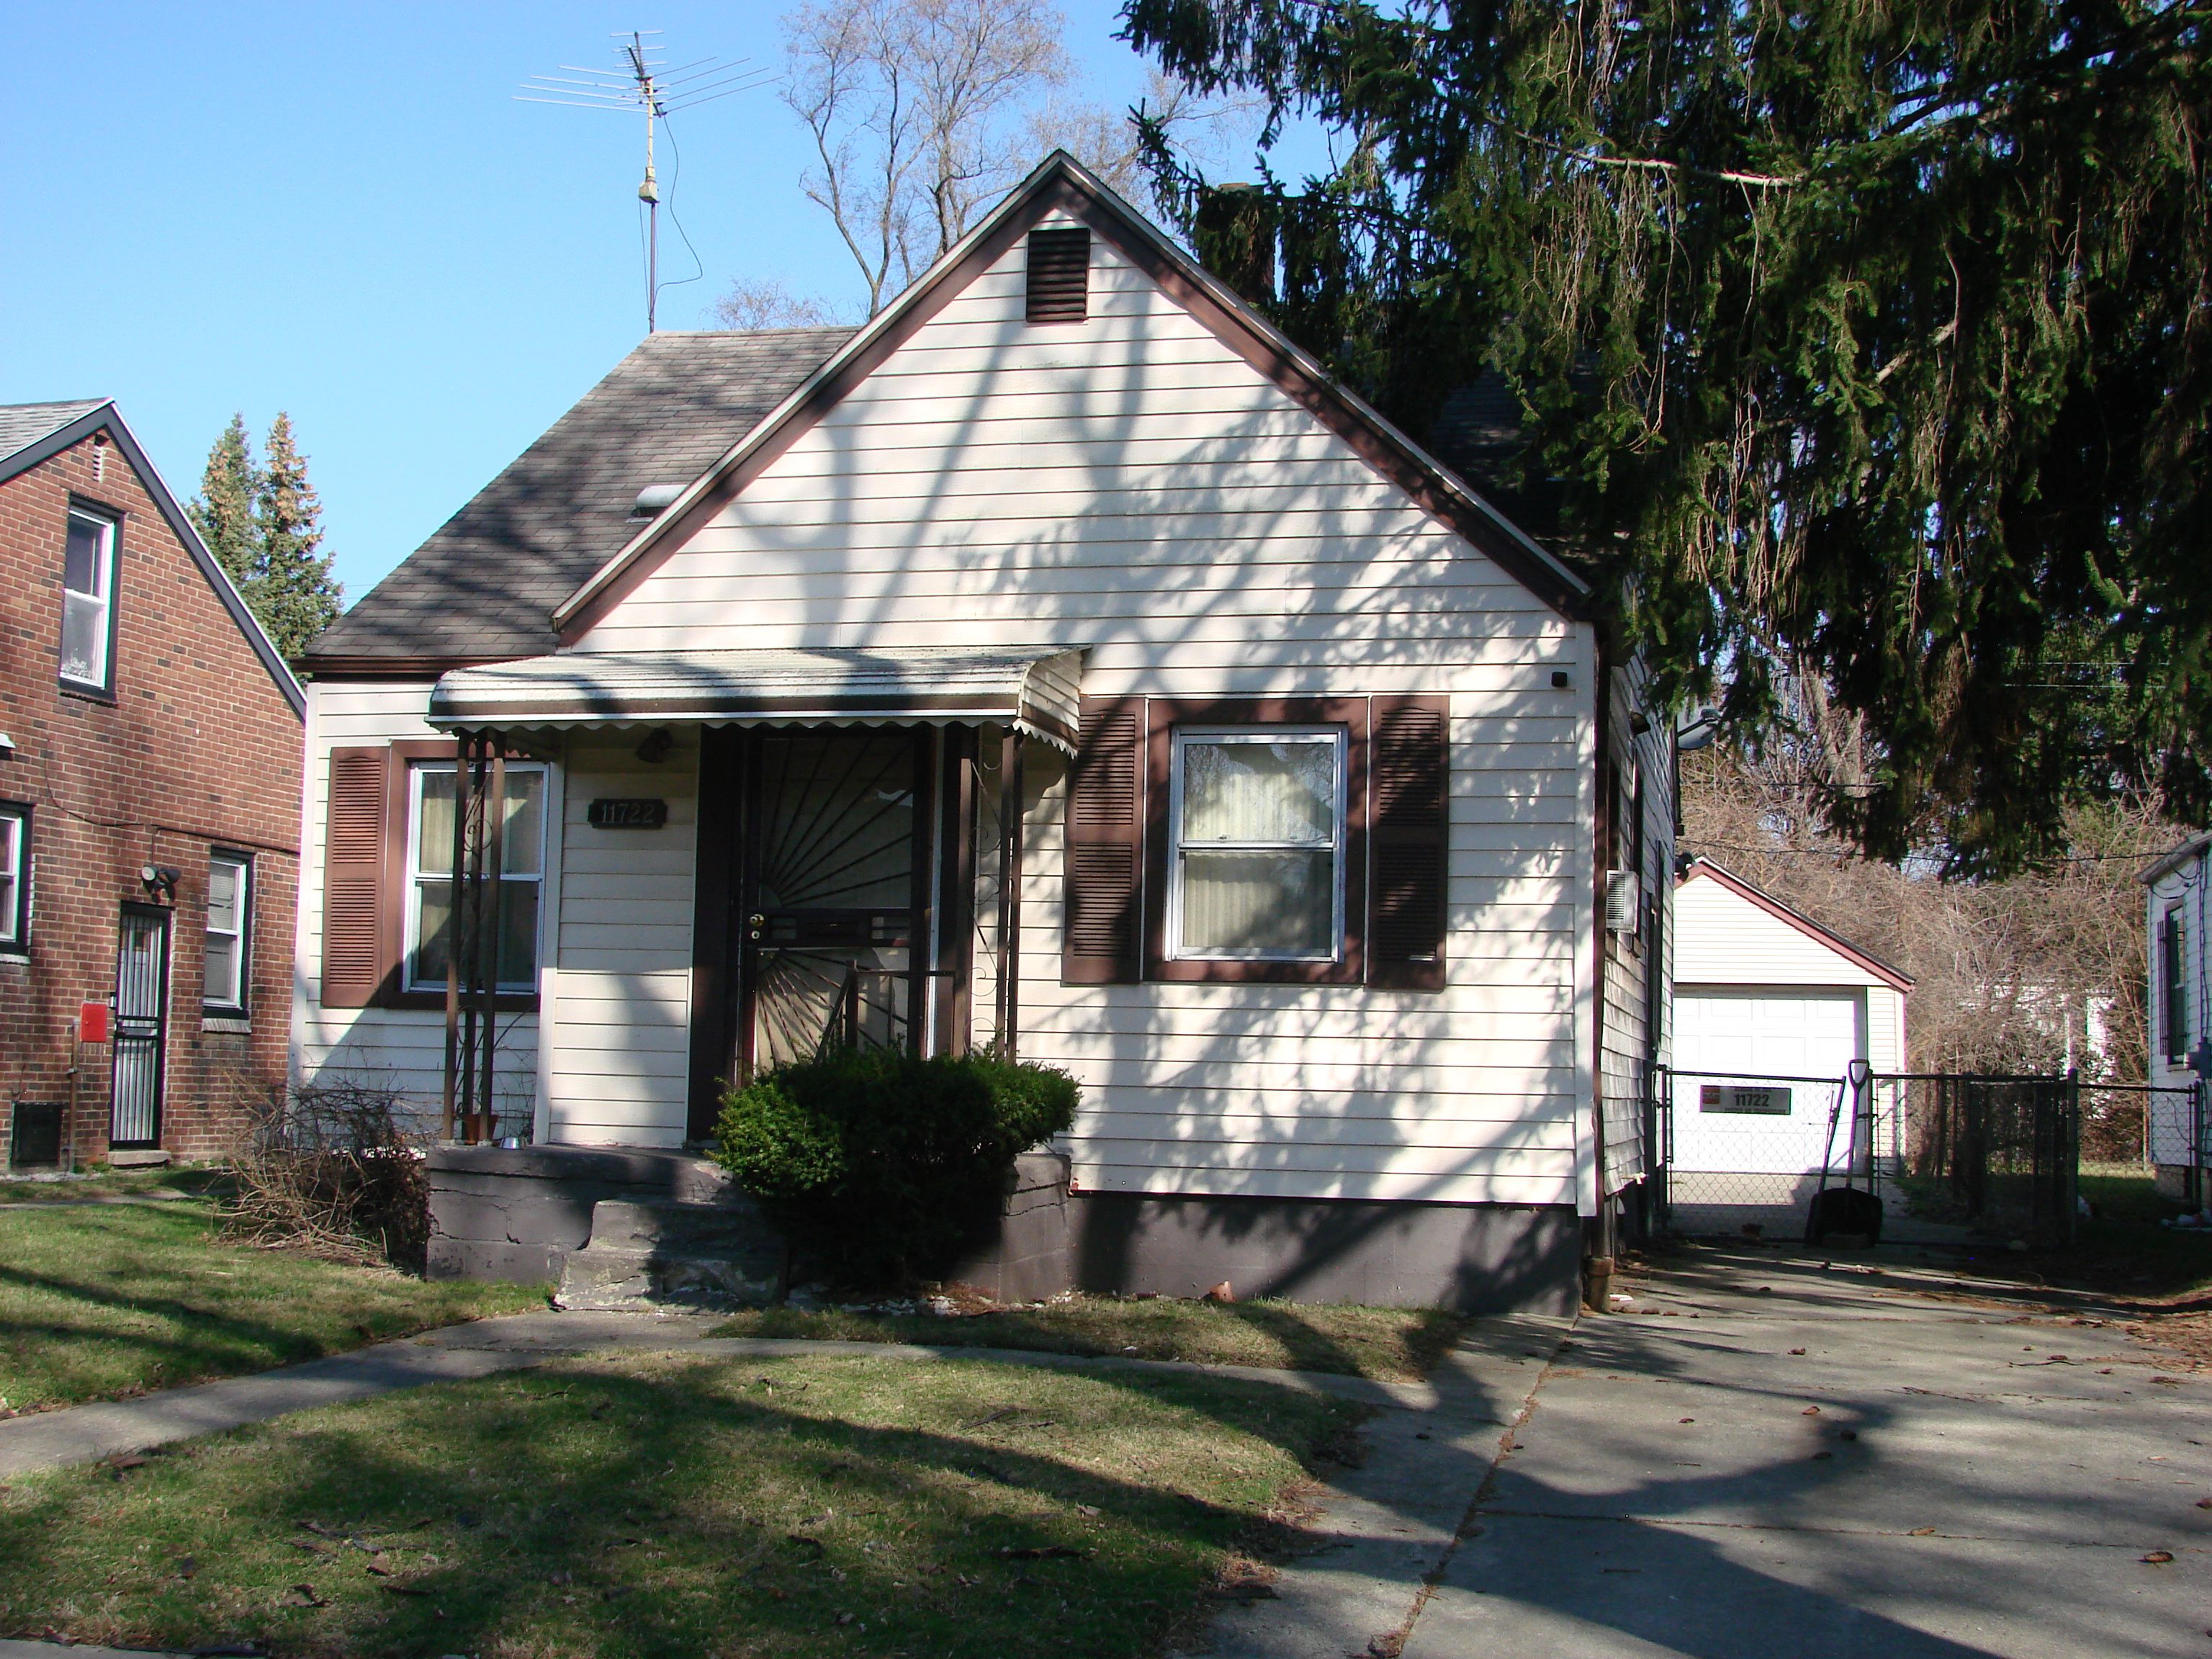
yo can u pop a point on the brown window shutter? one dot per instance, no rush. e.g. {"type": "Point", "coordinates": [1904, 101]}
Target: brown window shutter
{"type": "Point", "coordinates": [1409, 775]}
{"type": "Point", "coordinates": [1102, 936]}
{"type": "Point", "coordinates": [353, 965]}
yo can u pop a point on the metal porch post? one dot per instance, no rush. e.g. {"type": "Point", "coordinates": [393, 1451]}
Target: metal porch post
{"type": "Point", "coordinates": [1009, 891]}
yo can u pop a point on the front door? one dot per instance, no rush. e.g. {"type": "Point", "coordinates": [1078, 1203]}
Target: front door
{"type": "Point", "coordinates": [833, 892]}
{"type": "Point", "coordinates": [142, 1026]}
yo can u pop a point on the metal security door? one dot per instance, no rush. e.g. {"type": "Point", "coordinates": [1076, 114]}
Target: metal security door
{"type": "Point", "coordinates": [142, 1026]}
{"type": "Point", "coordinates": [833, 893]}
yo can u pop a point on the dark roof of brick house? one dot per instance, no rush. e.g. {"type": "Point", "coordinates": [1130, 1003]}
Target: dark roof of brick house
{"type": "Point", "coordinates": [22, 425]}
{"type": "Point", "coordinates": [485, 584]}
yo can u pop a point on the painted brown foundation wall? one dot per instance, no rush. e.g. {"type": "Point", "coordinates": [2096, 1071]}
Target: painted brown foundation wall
{"type": "Point", "coordinates": [1476, 1258]}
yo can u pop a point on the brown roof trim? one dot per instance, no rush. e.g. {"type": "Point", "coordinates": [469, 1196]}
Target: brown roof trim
{"type": "Point", "coordinates": [1063, 183]}
{"type": "Point", "coordinates": [395, 668]}
{"type": "Point", "coordinates": [1896, 978]}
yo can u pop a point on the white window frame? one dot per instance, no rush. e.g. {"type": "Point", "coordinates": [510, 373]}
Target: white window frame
{"type": "Point", "coordinates": [1338, 740]}
{"type": "Point", "coordinates": [233, 1006]}
{"type": "Point", "coordinates": [105, 680]}
{"type": "Point", "coordinates": [16, 864]}
{"type": "Point", "coordinates": [416, 771]}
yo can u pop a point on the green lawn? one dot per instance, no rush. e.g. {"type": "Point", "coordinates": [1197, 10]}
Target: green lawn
{"type": "Point", "coordinates": [675, 1505]}
{"type": "Point", "coordinates": [103, 1301]}
{"type": "Point", "coordinates": [1389, 1344]}
{"type": "Point", "coordinates": [162, 1181]}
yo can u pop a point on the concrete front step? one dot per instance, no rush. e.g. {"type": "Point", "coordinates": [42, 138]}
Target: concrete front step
{"type": "Point", "coordinates": [641, 1253]}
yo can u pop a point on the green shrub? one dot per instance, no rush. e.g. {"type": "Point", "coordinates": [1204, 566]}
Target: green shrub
{"type": "Point", "coordinates": [879, 1168]}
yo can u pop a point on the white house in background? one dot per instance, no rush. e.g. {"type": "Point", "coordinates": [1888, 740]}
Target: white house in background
{"type": "Point", "coordinates": [2180, 922]}
{"type": "Point", "coordinates": [1316, 771]}
{"type": "Point", "coordinates": [1765, 1000]}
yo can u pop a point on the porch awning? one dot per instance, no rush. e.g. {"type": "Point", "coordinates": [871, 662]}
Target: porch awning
{"type": "Point", "coordinates": [1034, 690]}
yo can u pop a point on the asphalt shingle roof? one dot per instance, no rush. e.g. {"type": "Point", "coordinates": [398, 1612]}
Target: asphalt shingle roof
{"type": "Point", "coordinates": [486, 583]}
{"type": "Point", "coordinates": [22, 425]}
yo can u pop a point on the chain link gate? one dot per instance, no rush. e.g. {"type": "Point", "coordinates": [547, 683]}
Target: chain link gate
{"type": "Point", "coordinates": [1746, 1155]}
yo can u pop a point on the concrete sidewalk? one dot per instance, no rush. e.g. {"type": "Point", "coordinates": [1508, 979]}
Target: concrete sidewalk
{"type": "Point", "coordinates": [456, 1353]}
{"type": "Point", "coordinates": [1773, 1460]}
{"type": "Point", "coordinates": [83, 1434]}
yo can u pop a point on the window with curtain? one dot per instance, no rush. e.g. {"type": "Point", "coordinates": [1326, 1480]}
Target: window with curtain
{"type": "Point", "coordinates": [229, 929]}
{"type": "Point", "coordinates": [87, 601]}
{"type": "Point", "coordinates": [1258, 837]}
{"type": "Point", "coordinates": [430, 874]}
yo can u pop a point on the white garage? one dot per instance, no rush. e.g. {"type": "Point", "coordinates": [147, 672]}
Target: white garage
{"type": "Point", "coordinates": [1770, 1008]}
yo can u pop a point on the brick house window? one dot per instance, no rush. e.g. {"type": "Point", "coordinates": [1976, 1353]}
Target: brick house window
{"type": "Point", "coordinates": [230, 931]}
{"type": "Point", "coordinates": [14, 878]}
{"type": "Point", "coordinates": [429, 889]}
{"type": "Point", "coordinates": [1257, 869]}
{"type": "Point", "coordinates": [88, 602]}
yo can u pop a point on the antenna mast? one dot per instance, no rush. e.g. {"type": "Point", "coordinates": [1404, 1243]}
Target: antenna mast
{"type": "Point", "coordinates": [649, 87]}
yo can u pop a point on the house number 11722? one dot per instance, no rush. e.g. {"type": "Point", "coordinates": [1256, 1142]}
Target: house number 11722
{"type": "Point", "coordinates": [628, 814]}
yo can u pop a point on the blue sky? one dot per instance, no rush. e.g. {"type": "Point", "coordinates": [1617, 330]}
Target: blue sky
{"type": "Point", "coordinates": [343, 212]}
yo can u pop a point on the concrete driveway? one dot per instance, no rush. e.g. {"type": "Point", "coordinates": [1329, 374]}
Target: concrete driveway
{"type": "Point", "coordinates": [1773, 1458]}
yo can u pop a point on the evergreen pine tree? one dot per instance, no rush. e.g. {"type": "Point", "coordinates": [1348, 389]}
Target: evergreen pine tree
{"type": "Point", "coordinates": [1866, 344]}
{"type": "Point", "coordinates": [293, 592]}
{"type": "Point", "coordinates": [223, 510]}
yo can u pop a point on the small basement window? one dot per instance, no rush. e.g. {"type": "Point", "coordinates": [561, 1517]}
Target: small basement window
{"type": "Point", "coordinates": [1059, 275]}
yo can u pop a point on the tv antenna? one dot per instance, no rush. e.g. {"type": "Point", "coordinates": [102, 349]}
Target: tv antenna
{"type": "Point", "coordinates": [645, 85]}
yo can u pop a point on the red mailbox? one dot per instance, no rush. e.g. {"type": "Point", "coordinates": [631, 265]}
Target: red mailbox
{"type": "Point", "coordinates": [92, 1022]}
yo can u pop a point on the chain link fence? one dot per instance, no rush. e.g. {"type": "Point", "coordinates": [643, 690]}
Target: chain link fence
{"type": "Point", "coordinates": [1747, 1155]}
{"type": "Point", "coordinates": [1999, 1153]}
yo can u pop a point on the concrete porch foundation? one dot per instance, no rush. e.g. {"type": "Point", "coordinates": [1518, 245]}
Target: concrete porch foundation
{"type": "Point", "coordinates": [522, 1214]}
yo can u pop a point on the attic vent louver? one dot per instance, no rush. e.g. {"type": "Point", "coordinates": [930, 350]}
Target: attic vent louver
{"type": "Point", "coordinates": [1059, 275]}
{"type": "Point", "coordinates": [655, 499]}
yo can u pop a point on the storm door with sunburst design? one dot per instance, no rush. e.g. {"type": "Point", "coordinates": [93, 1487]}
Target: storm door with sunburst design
{"type": "Point", "coordinates": [833, 893]}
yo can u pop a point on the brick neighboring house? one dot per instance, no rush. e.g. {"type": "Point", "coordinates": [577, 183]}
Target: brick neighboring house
{"type": "Point", "coordinates": [150, 807]}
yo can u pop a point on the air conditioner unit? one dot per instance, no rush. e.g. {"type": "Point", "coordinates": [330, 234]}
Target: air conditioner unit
{"type": "Point", "coordinates": [1624, 901]}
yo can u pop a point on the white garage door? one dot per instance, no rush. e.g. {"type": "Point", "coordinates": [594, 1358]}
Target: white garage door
{"type": "Point", "coordinates": [1759, 1114]}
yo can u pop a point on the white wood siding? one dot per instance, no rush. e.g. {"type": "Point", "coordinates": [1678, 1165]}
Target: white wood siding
{"type": "Point", "coordinates": [1635, 965]}
{"type": "Point", "coordinates": [1132, 486]}
{"type": "Point", "coordinates": [617, 989]}
{"type": "Point", "coordinates": [403, 1048]}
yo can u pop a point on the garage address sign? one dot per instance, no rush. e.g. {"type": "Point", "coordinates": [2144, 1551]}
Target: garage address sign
{"type": "Point", "coordinates": [608, 814]}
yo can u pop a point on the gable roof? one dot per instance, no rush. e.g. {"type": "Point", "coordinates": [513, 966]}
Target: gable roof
{"type": "Point", "coordinates": [33, 434]}
{"type": "Point", "coordinates": [2169, 862]}
{"type": "Point", "coordinates": [1896, 978]}
{"type": "Point", "coordinates": [22, 425]}
{"type": "Point", "coordinates": [551, 544]}
{"type": "Point", "coordinates": [485, 584]}
{"type": "Point", "coordinates": [1062, 184]}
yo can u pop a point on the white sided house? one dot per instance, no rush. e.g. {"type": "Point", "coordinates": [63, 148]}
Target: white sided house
{"type": "Point", "coordinates": [781, 649]}
{"type": "Point", "coordinates": [2180, 917]}
{"type": "Point", "coordinates": [1771, 1010]}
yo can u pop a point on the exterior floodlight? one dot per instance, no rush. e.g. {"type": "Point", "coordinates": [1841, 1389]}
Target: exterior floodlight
{"type": "Point", "coordinates": [1699, 731]}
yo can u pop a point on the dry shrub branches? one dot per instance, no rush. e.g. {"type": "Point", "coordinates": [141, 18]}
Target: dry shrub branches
{"type": "Point", "coordinates": [2035, 974]}
{"type": "Point", "coordinates": [331, 1171]}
